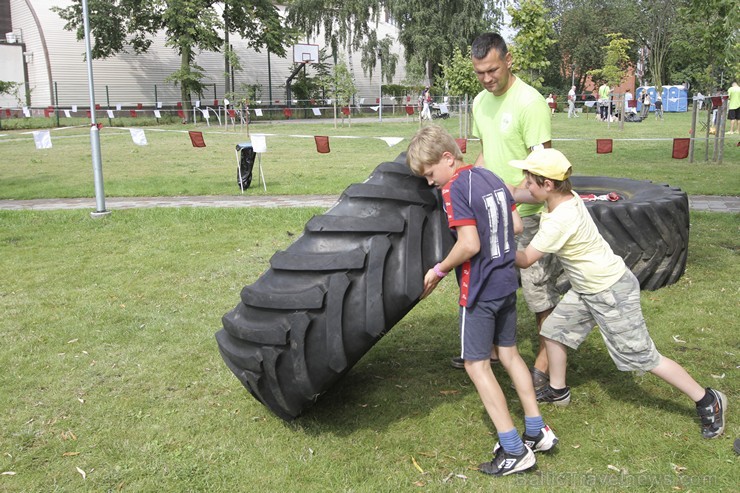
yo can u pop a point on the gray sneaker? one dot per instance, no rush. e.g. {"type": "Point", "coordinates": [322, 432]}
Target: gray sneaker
{"type": "Point", "coordinates": [560, 398]}
{"type": "Point", "coordinates": [713, 416]}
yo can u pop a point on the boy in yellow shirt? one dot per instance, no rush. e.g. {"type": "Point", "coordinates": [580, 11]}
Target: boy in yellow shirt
{"type": "Point", "coordinates": [604, 292]}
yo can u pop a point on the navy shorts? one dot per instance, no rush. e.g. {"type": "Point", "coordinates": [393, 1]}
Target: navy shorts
{"type": "Point", "coordinates": [733, 114]}
{"type": "Point", "coordinates": [487, 323]}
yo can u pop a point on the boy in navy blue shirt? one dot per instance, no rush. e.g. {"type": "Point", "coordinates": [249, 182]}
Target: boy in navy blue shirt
{"type": "Point", "coordinates": [481, 212]}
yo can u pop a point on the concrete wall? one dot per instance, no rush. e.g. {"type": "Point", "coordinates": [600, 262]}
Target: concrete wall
{"type": "Point", "coordinates": [128, 79]}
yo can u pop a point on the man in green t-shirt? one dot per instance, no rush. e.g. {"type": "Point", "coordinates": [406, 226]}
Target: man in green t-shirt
{"type": "Point", "coordinates": [511, 118]}
{"type": "Point", "coordinates": [604, 92]}
{"type": "Point", "coordinates": [733, 104]}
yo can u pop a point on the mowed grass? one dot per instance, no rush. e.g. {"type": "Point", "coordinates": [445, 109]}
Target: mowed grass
{"type": "Point", "coordinates": [170, 166]}
{"type": "Point", "coordinates": [112, 380]}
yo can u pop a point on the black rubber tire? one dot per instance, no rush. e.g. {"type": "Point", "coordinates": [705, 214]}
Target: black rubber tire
{"type": "Point", "coordinates": [648, 227]}
{"type": "Point", "coordinates": [333, 293]}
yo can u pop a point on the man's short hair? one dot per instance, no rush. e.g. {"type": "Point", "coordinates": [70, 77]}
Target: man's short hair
{"type": "Point", "coordinates": [428, 145]}
{"type": "Point", "coordinates": [486, 42]}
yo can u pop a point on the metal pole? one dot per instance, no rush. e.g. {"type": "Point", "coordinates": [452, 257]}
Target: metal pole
{"type": "Point", "coordinates": [56, 100]}
{"type": "Point", "coordinates": [694, 110]}
{"type": "Point", "coordinates": [380, 94]}
{"type": "Point", "coordinates": [94, 131]}
{"type": "Point", "coordinates": [269, 77]}
{"type": "Point", "coordinates": [107, 102]}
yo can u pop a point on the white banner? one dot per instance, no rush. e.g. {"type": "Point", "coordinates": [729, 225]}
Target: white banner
{"type": "Point", "coordinates": [316, 112]}
{"type": "Point", "coordinates": [157, 114]}
{"type": "Point", "coordinates": [42, 138]}
{"type": "Point", "coordinates": [138, 136]}
{"type": "Point", "coordinates": [66, 113]}
{"type": "Point", "coordinates": [391, 141]}
{"type": "Point", "coordinates": [258, 112]}
{"type": "Point", "coordinates": [110, 114]}
{"type": "Point", "coordinates": [259, 143]}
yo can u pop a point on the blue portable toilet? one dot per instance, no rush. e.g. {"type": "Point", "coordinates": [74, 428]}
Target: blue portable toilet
{"type": "Point", "coordinates": [676, 99]}
{"type": "Point", "coordinates": [651, 92]}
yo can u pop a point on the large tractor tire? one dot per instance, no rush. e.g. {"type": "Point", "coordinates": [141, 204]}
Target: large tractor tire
{"type": "Point", "coordinates": [333, 293]}
{"type": "Point", "coordinates": [648, 226]}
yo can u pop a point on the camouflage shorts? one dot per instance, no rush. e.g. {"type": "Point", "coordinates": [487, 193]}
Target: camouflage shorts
{"type": "Point", "coordinates": [618, 314]}
{"type": "Point", "coordinates": [538, 280]}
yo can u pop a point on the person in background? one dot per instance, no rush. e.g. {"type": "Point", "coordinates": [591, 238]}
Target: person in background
{"type": "Point", "coordinates": [733, 105]}
{"type": "Point", "coordinates": [572, 102]}
{"type": "Point", "coordinates": [659, 107]}
{"type": "Point", "coordinates": [604, 94]}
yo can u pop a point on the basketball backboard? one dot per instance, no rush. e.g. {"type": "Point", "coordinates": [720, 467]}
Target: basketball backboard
{"type": "Point", "coordinates": [305, 53]}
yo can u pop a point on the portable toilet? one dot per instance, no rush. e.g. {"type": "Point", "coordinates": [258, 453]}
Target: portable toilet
{"type": "Point", "coordinates": [651, 92]}
{"type": "Point", "coordinates": [676, 99]}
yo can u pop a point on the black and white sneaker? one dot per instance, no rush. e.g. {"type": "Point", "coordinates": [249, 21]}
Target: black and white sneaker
{"type": "Point", "coordinates": [543, 442]}
{"type": "Point", "coordinates": [560, 398]}
{"type": "Point", "coordinates": [504, 463]}
{"type": "Point", "coordinates": [713, 416]}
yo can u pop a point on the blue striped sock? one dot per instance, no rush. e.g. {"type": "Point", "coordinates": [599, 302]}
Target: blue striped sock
{"type": "Point", "coordinates": [533, 425]}
{"type": "Point", "coordinates": [511, 442]}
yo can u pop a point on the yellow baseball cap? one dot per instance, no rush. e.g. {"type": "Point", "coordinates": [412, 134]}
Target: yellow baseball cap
{"type": "Point", "coordinates": [549, 163]}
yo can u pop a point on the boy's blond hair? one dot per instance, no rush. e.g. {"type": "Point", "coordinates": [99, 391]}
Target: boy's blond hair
{"type": "Point", "coordinates": [428, 145]}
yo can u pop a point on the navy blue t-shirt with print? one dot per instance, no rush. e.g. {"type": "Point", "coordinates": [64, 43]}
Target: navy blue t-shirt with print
{"type": "Point", "coordinates": [476, 196]}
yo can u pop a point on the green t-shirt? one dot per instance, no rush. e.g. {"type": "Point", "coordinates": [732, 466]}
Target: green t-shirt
{"type": "Point", "coordinates": [604, 91]}
{"type": "Point", "coordinates": [733, 102]}
{"type": "Point", "coordinates": [508, 126]}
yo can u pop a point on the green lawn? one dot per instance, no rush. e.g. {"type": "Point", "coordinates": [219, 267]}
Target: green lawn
{"type": "Point", "coordinates": [110, 367]}
{"type": "Point", "coordinates": [170, 166]}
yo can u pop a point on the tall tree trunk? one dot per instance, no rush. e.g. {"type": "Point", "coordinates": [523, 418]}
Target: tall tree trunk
{"type": "Point", "coordinates": [185, 83]}
{"type": "Point", "coordinates": [227, 66]}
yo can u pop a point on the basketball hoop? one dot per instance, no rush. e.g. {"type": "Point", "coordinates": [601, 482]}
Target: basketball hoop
{"type": "Point", "coordinates": [305, 53]}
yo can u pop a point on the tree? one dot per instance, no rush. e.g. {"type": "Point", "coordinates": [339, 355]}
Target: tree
{"type": "Point", "coordinates": [375, 49]}
{"type": "Point", "coordinates": [706, 49]}
{"type": "Point", "coordinates": [616, 60]}
{"type": "Point", "coordinates": [189, 26]}
{"type": "Point", "coordinates": [532, 41]}
{"type": "Point", "coordinates": [342, 87]}
{"type": "Point", "coordinates": [581, 28]}
{"type": "Point", "coordinates": [658, 29]}
{"type": "Point", "coordinates": [430, 31]}
{"type": "Point", "coordinates": [346, 23]}
{"type": "Point", "coordinates": [459, 76]}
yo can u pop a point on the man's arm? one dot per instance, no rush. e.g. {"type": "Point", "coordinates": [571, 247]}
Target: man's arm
{"type": "Point", "coordinates": [466, 246]}
{"type": "Point", "coordinates": [528, 256]}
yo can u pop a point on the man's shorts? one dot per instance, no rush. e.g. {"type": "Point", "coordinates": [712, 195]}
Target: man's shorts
{"type": "Point", "coordinates": [487, 323]}
{"type": "Point", "coordinates": [733, 114]}
{"type": "Point", "coordinates": [539, 279]}
{"type": "Point", "coordinates": [618, 313]}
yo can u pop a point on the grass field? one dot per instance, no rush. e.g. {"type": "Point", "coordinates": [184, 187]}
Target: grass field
{"type": "Point", "coordinates": [110, 366]}
{"type": "Point", "coordinates": [170, 166]}
{"type": "Point", "coordinates": [112, 380]}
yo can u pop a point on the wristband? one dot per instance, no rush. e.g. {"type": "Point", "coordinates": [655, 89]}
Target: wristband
{"type": "Point", "coordinates": [440, 273]}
